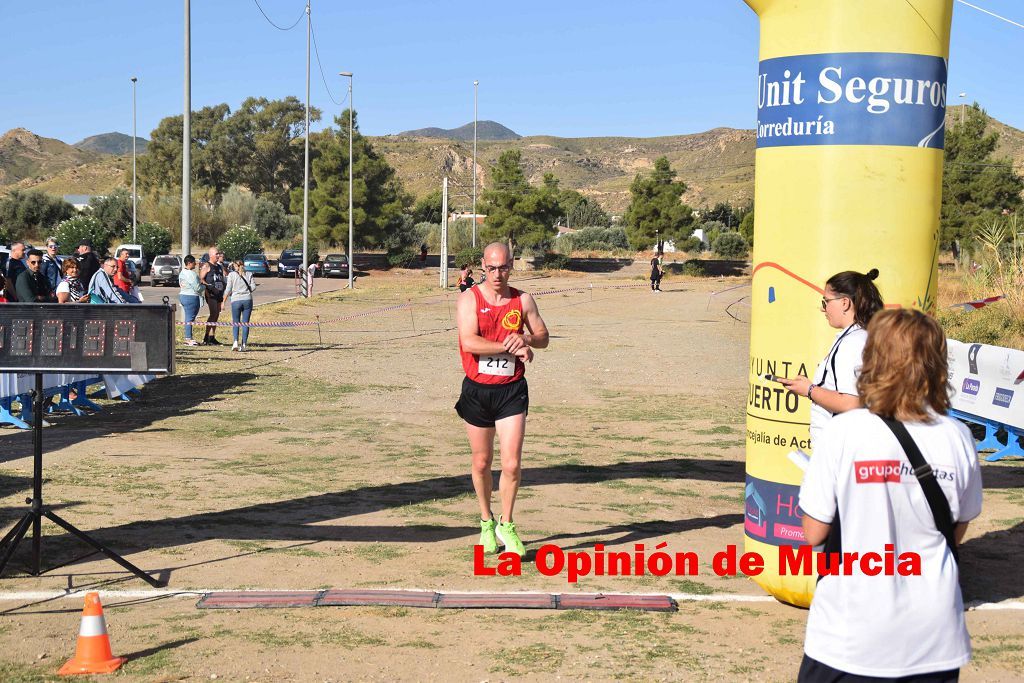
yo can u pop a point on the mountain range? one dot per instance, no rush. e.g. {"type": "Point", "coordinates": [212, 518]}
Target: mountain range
{"type": "Point", "coordinates": [112, 143]}
{"type": "Point", "coordinates": [485, 130]}
{"type": "Point", "coordinates": [717, 165]}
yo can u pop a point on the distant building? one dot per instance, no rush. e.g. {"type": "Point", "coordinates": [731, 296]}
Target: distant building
{"type": "Point", "coordinates": [467, 216]}
{"type": "Point", "coordinates": [79, 201]}
{"type": "Point", "coordinates": [564, 230]}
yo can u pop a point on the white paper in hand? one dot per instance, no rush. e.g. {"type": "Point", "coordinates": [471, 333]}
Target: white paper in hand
{"type": "Point", "coordinates": [800, 459]}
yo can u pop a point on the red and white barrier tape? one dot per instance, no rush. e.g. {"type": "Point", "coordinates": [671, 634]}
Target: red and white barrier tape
{"type": "Point", "coordinates": [980, 303]}
{"type": "Point", "coordinates": [388, 309]}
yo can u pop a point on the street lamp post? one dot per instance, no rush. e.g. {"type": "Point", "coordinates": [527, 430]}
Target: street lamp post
{"type": "Point", "coordinates": [186, 142]}
{"type": "Point", "coordinates": [305, 166]}
{"type": "Point", "coordinates": [963, 107]}
{"type": "Point", "coordinates": [135, 195]}
{"type": "Point", "coordinates": [475, 84]}
{"type": "Point", "coordinates": [351, 116]}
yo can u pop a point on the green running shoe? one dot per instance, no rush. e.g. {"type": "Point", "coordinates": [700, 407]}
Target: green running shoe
{"type": "Point", "coordinates": [506, 533]}
{"type": "Point", "coordinates": [487, 539]}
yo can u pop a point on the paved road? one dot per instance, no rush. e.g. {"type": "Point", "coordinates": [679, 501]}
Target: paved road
{"type": "Point", "coordinates": [269, 289]}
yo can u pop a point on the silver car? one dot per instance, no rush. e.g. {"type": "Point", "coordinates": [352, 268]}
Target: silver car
{"type": "Point", "coordinates": [165, 270]}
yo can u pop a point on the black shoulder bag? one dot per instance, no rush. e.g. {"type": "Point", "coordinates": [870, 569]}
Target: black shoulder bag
{"type": "Point", "coordinates": [924, 473]}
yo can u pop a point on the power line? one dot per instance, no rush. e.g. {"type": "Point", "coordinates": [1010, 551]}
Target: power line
{"type": "Point", "coordinates": [982, 9]}
{"type": "Point", "coordinates": [271, 22]}
{"type": "Point", "coordinates": [322, 76]}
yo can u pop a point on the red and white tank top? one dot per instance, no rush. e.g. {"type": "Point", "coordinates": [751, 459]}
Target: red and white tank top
{"type": "Point", "coordinates": [495, 323]}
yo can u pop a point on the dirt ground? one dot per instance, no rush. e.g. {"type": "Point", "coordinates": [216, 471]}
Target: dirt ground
{"type": "Point", "coordinates": [305, 465]}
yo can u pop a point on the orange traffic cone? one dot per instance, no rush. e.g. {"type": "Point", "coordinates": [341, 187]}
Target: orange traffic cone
{"type": "Point", "coordinates": [93, 655]}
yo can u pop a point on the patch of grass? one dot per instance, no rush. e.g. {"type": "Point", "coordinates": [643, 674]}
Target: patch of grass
{"type": "Point", "coordinates": [380, 552]}
{"type": "Point", "coordinates": [158, 662]}
{"type": "Point", "coordinates": [537, 658]}
{"type": "Point", "coordinates": [691, 587]}
{"type": "Point", "coordinates": [1004, 651]}
{"type": "Point", "coordinates": [344, 637]}
{"type": "Point", "coordinates": [734, 498]}
{"type": "Point", "coordinates": [720, 429]}
{"type": "Point", "coordinates": [296, 441]}
{"type": "Point", "coordinates": [632, 509]}
{"type": "Point", "coordinates": [394, 612]}
{"type": "Point", "coordinates": [20, 673]}
{"type": "Point", "coordinates": [420, 644]}
{"type": "Point", "coordinates": [1013, 521]}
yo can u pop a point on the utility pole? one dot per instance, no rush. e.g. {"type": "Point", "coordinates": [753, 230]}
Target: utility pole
{"type": "Point", "coordinates": [305, 185]}
{"type": "Point", "coordinates": [475, 84]}
{"type": "Point", "coordinates": [444, 234]}
{"type": "Point", "coordinates": [186, 143]}
{"type": "Point", "coordinates": [135, 194]}
{"type": "Point", "coordinates": [351, 115]}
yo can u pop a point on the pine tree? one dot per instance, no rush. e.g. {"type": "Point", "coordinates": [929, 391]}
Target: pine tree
{"type": "Point", "coordinates": [378, 198]}
{"type": "Point", "coordinates": [656, 210]}
{"type": "Point", "coordinates": [516, 211]}
{"type": "Point", "coordinates": [976, 186]}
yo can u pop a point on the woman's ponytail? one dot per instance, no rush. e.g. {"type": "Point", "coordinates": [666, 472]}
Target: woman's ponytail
{"type": "Point", "coordinates": [861, 289]}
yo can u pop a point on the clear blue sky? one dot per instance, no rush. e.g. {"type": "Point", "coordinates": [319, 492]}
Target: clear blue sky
{"type": "Point", "coordinates": [565, 67]}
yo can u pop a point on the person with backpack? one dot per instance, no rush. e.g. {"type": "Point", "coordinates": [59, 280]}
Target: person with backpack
{"type": "Point", "coordinates": [214, 277]}
{"type": "Point", "coordinates": [898, 476]}
{"type": "Point", "coordinates": [239, 289]}
{"type": "Point", "coordinates": [102, 289]}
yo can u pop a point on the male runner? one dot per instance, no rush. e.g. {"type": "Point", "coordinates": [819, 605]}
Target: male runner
{"type": "Point", "coordinates": [491, 317]}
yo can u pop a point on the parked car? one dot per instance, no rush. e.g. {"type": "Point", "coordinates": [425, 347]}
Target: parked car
{"type": "Point", "coordinates": [135, 255]}
{"type": "Point", "coordinates": [165, 270]}
{"type": "Point", "coordinates": [291, 260]}
{"type": "Point", "coordinates": [335, 265]}
{"type": "Point", "coordinates": [257, 264]}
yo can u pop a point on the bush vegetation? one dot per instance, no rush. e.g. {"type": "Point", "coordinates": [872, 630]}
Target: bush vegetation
{"type": "Point", "coordinates": [555, 261]}
{"type": "Point", "coordinates": [239, 241]}
{"type": "Point", "coordinates": [31, 215]}
{"type": "Point", "coordinates": [154, 238]}
{"type": "Point", "coordinates": [593, 239]}
{"type": "Point", "coordinates": [731, 245]}
{"type": "Point", "coordinates": [74, 230]}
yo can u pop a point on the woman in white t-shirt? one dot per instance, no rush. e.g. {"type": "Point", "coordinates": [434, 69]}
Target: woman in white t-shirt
{"type": "Point", "coordinates": [71, 289]}
{"type": "Point", "coordinates": [850, 300]}
{"type": "Point", "coordinates": [872, 623]}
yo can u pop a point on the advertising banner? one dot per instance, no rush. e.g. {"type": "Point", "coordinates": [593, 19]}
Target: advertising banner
{"type": "Point", "coordinates": [851, 100]}
{"type": "Point", "coordinates": [987, 381]}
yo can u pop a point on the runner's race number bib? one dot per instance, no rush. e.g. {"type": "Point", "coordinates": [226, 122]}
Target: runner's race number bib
{"type": "Point", "coordinates": [502, 364]}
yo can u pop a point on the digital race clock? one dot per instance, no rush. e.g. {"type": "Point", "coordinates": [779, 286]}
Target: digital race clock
{"type": "Point", "coordinates": [109, 338]}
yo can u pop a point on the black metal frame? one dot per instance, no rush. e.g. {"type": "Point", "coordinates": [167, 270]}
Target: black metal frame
{"type": "Point", "coordinates": [37, 510]}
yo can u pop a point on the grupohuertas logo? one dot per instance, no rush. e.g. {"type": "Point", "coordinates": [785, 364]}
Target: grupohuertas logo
{"type": "Point", "coordinates": [852, 98]}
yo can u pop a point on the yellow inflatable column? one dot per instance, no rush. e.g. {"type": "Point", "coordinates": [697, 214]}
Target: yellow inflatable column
{"type": "Point", "coordinates": [851, 102]}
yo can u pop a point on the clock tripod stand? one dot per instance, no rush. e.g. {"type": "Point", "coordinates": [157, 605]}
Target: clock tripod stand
{"type": "Point", "coordinates": [37, 511]}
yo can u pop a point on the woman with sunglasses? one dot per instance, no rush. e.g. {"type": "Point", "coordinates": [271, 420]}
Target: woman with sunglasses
{"type": "Point", "coordinates": [849, 302]}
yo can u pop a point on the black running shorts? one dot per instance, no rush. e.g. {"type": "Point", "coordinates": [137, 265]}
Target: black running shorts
{"type": "Point", "coordinates": [481, 405]}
